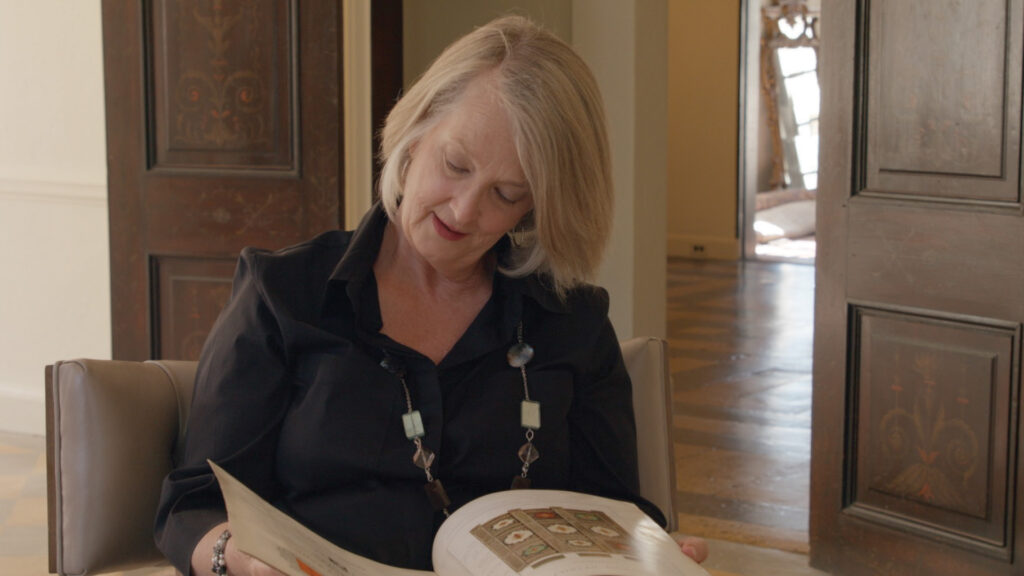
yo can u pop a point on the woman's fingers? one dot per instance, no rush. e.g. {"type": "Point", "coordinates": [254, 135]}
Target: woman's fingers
{"type": "Point", "coordinates": [693, 546]}
{"type": "Point", "coordinates": [261, 569]}
{"type": "Point", "coordinates": [241, 564]}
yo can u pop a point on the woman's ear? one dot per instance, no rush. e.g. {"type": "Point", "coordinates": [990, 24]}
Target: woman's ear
{"type": "Point", "coordinates": [409, 151]}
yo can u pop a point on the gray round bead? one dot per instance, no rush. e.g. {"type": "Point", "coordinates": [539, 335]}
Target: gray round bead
{"type": "Point", "coordinates": [519, 354]}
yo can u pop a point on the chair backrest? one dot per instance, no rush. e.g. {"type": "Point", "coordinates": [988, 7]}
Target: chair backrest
{"type": "Point", "coordinates": [647, 363]}
{"type": "Point", "coordinates": [113, 430]}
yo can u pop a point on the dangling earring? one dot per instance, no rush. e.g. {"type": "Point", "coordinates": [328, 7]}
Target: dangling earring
{"type": "Point", "coordinates": [519, 236]}
{"type": "Point", "coordinates": [514, 236]}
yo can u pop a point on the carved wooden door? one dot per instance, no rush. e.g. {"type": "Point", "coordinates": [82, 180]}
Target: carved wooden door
{"type": "Point", "coordinates": [920, 290]}
{"type": "Point", "coordinates": [224, 130]}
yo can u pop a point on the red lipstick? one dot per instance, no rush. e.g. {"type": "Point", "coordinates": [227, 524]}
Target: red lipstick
{"type": "Point", "coordinates": [445, 232]}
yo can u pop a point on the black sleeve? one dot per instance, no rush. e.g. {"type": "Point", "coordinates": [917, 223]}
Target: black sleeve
{"type": "Point", "coordinates": [239, 400]}
{"type": "Point", "coordinates": [602, 424]}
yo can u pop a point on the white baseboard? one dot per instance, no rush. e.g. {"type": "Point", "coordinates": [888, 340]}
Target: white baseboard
{"type": "Point", "coordinates": [22, 412]}
{"type": "Point", "coordinates": [703, 247]}
{"type": "Point", "coordinates": [43, 191]}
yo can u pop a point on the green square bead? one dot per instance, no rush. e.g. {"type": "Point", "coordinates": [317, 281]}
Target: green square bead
{"type": "Point", "coordinates": [530, 414]}
{"type": "Point", "coordinates": [413, 424]}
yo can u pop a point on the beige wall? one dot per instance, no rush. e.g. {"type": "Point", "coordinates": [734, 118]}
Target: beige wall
{"type": "Point", "coordinates": [703, 95]}
{"type": "Point", "coordinates": [430, 25]}
{"type": "Point", "coordinates": [625, 43]}
{"type": "Point", "coordinates": [55, 293]}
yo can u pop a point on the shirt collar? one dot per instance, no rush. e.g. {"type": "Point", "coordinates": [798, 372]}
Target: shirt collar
{"type": "Point", "coordinates": [356, 266]}
{"type": "Point", "coordinates": [535, 288]}
{"type": "Point", "coordinates": [363, 246]}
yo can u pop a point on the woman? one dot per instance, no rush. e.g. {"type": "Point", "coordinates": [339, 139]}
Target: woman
{"type": "Point", "coordinates": [369, 382]}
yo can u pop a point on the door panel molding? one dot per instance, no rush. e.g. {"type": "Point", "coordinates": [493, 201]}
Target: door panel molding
{"type": "Point", "coordinates": [187, 292]}
{"type": "Point", "coordinates": [222, 87]}
{"type": "Point", "coordinates": [930, 425]}
{"type": "Point", "coordinates": [952, 137]}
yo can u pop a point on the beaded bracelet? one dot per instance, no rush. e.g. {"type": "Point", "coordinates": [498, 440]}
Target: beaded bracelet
{"type": "Point", "coordinates": [219, 566]}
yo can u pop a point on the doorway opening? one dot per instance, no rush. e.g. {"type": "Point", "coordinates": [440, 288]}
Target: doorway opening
{"type": "Point", "coordinates": [781, 109]}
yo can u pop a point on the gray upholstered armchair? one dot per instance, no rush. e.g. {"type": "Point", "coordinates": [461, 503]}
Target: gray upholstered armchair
{"type": "Point", "coordinates": [114, 428]}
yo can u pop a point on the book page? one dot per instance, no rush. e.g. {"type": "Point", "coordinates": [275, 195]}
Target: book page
{"type": "Point", "coordinates": [556, 533]}
{"type": "Point", "coordinates": [262, 531]}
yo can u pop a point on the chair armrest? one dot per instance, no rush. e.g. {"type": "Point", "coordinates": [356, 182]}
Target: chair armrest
{"type": "Point", "coordinates": [112, 429]}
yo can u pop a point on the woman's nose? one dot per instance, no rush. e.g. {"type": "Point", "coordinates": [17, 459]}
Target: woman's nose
{"type": "Point", "coordinates": [465, 203]}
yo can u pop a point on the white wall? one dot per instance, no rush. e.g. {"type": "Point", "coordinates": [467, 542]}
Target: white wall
{"type": "Point", "coordinates": [55, 288]}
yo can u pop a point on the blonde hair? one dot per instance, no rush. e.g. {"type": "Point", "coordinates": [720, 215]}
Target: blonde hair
{"type": "Point", "coordinates": [558, 123]}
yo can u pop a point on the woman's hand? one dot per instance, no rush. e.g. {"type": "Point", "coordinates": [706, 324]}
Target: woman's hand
{"type": "Point", "coordinates": [241, 564]}
{"type": "Point", "coordinates": [693, 546]}
{"type": "Point", "coordinates": [237, 562]}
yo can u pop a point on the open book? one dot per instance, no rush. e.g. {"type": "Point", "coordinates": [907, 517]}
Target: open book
{"type": "Point", "coordinates": [512, 533]}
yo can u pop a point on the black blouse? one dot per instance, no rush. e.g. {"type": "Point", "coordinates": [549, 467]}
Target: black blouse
{"type": "Point", "coordinates": [290, 397]}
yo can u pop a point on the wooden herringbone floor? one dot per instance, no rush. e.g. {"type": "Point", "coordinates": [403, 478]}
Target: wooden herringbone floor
{"type": "Point", "coordinates": [740, 336]}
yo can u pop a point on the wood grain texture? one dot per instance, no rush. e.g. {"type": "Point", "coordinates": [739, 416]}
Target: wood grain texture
{"type": "Point", "coordinates": [224, 126]}
{"type": "Point", "coordinates": [941, 81]}
{"type": "Point", "coordinates": [920, 225]}
{"type": "Point", "coordinates": [934, 409]}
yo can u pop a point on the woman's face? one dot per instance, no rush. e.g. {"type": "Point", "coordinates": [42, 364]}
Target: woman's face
{"type": "Point", "coordinates": [464, 187]}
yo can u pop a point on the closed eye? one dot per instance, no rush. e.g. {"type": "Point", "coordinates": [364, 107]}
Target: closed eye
{"type": "Point", "coordinates": [503, 197]}
{"type": "Point", "coordinates": [454, 168]}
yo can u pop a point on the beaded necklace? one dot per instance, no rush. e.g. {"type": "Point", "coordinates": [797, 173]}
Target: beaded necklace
{"type": "Point", "coordinates": [529, 415]}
